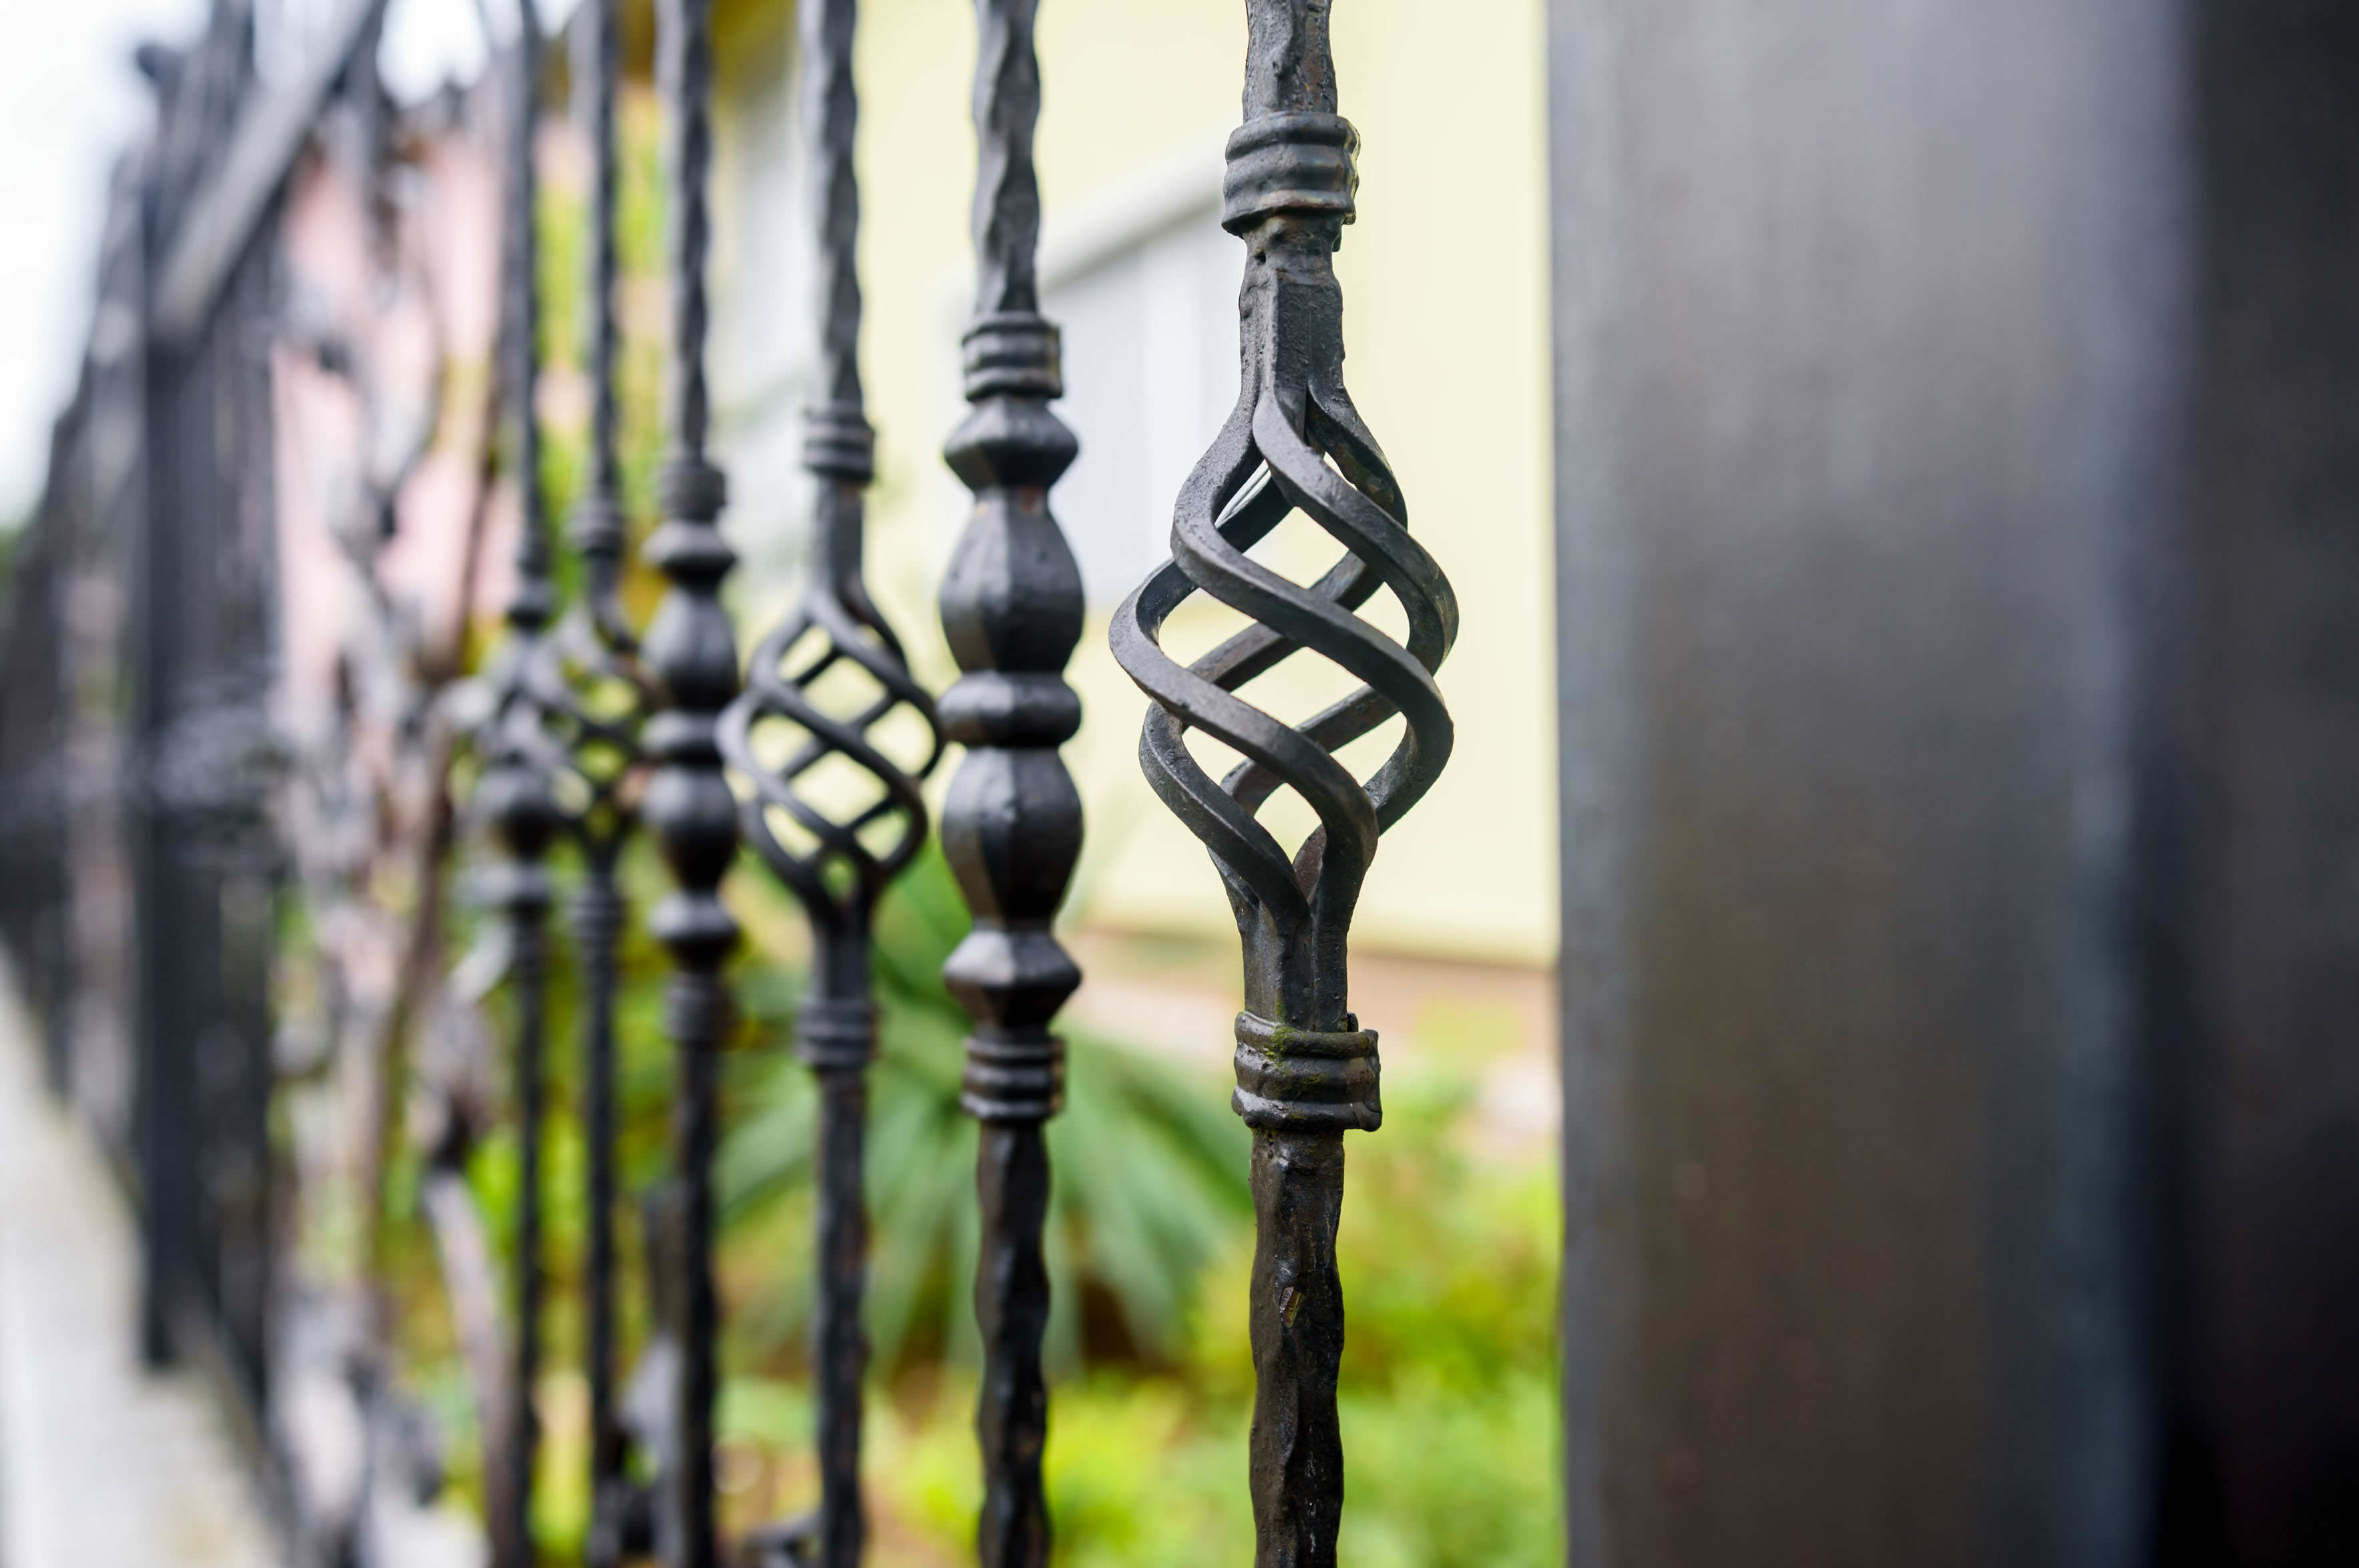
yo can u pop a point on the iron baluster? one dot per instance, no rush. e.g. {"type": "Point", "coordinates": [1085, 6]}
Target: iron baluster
{"type": "Point", "coordinates": [847, 853]}
{"type": "Point", "coordinates": [692, 654]}
{"type": "Point", "coordinates": [600, 697]}
{"type": "Point", "coordinates": [1306, 1071]}
{"type": "Point", "coordinates": [454, 1060]}
{"type": "Point", "coordinates": [516, 798]}
{"type": "Point", "coordinates": [1012, 608]}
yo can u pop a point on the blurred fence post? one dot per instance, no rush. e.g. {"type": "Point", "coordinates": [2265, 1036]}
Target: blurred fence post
{"type": "Point", "coordinates": [2255, 956]}
{"type": "Point", "coordinates": [1958, 440]}
{"type": "Point", "coordinates": [201, 756]}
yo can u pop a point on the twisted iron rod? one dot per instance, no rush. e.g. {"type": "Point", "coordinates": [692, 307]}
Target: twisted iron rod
{"type": "Point", "coordinates": [1012, 610]}
{"type": "Point", "coordinates": [1306, 1071]}
{"type": "Point", "coordinates": [846, 852]}
{"type": "Point", "coordinates": [602, 696]}
{"type": "Point", "coordinates": [691, 649]}
{"type": "Point", "coordinates": [516, 798]}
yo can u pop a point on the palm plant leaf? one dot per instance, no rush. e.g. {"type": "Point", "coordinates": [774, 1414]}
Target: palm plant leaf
{"type": "Point", "coordinates": [1150, 1166]}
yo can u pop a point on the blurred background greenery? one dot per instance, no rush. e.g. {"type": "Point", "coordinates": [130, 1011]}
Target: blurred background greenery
{"type": "Point", "coordinates": [1447, 1253]}
{"type": "Point", "coordinates": [1448, 1249]}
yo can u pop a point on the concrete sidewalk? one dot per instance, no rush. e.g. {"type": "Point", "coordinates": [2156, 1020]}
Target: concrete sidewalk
{"type": "Point", "coordinates": [102, 1464]}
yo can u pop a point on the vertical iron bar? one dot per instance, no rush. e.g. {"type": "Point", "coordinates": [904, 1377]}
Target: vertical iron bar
{"type": "Point", "coordinates": [526, 904]}
{"type": "Point", "coordinates": [691, 649]}
{"type": "Point", "coordinates": [1012, 610]}
{"type": "Point", "coordinates": [839, 1040]}
{"type": "Point", "coordinates": [605, 34]}
{"type": "Point", "coordinates": [604, 756]}
{"type": "Point", "coordinates": [1306, 1071]}
{"type": "Point", "coordinates": [598, 915]}
{"type": "Point", "coordinates": [516, 798]}
{"type": "Point", "coordinates": [839, 1342]}
{"type": "Point", "coordinates": [840, 878]}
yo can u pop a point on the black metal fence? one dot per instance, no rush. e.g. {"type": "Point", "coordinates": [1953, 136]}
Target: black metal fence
{"type": "Point", "coordinates": [163, 826]}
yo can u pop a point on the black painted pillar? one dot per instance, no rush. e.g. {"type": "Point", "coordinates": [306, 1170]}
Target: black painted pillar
{"type": "Point", "coordinates": [1958, 501]}
{"type": "Point", "coordinates": [2261, 970]}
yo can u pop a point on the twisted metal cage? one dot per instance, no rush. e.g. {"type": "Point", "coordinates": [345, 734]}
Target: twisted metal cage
{"type": "Point", "coordinates": [846, 852]}
{"type": "Point", "coordinates": [597, 698]}
{"type": "Point", "coordinates": [816, 757]}
{"type": "Point", "coordinates": [832, 682]}
{"type": "Point", "coordinates": [1306, 1071]}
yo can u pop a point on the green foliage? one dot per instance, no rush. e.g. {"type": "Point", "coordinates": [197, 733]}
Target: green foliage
{"type": "Point", "coordinates": [1448, 1402]}
{"type": "Point", "coordinates": [562, 227]}
{"type": "Point", "coordinates": [1150, 1167]}
{"type": "Point", "coordinates": [639, 232]}
{"type": "Point", "coordinates": [1449, 1258]}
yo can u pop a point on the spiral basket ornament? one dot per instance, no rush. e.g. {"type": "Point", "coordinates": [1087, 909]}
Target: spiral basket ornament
{"type": "Point", "coordinates": [840, 860]}
{"type": "Point", "coordinates": [1306, 1071]}
{"type": "Point", "coordinates": [591, 702]}
{"type": "Point", "coordinates": [594, 694]}
{"type": "Point", "coordinates": [597, 698]}
{"type": "Point", "coordinates": [837, 871]}
{"type": "Point", "coordinates": [834, 816]}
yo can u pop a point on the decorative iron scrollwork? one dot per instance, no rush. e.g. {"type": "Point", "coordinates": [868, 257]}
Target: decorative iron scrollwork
{"type": "Point", "coordinates": [828, 685]}
{"type": "Point", "coordinates": [1012, 610]}
{"type": "Point", "coordinates": [1306, 1071]}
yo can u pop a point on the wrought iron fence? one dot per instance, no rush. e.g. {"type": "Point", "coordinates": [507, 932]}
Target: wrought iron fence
{"type": "Point", "coordinates": [168, 866]}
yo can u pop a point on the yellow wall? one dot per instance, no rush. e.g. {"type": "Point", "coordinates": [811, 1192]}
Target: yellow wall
{"type": "Point", "coordinates": [1444, 279]}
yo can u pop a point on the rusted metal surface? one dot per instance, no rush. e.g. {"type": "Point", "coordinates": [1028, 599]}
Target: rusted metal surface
{"type": "Point", "coordinates": [1011, 608]}
{"type": "Point", "coordinates": [1306, 1071]}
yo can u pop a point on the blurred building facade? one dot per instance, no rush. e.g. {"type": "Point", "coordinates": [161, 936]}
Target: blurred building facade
{"type": "Point", "coordinates": [1446, 277]}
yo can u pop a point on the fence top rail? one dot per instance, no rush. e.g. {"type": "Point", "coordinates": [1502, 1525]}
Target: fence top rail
{"type": "Point", "coordinates": [270, 132]}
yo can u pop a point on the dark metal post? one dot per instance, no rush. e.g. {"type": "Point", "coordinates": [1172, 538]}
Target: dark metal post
{"type": "Point", "coordinates": [1306, 1071]}
{"type": "Point", "coordinates": [1958, 776]}
{"type": "Point", "coordinates": [1012, 610]}
{"type": "Point", "coordinates": [517, 799]}
{"type": "Point", "coordinates": [692, 652]}
{"type": "Point", "coordinates": [604, 697]}
{"type": "Point", "coordinates": [839, 878]}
